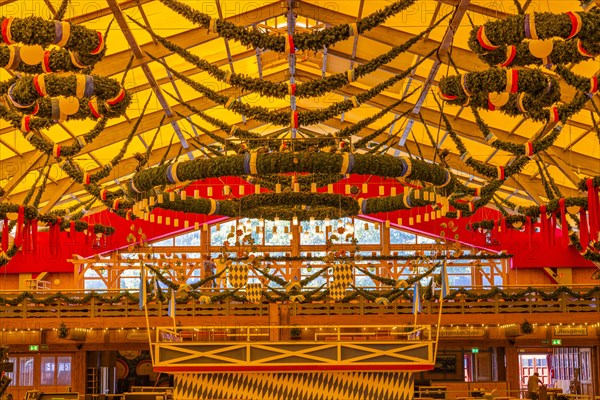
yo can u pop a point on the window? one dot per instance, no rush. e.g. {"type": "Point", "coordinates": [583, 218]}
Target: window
{"type": "Point", "coordinates": [188, 239]}
{"type": "Point", "coordinates": [55, 370]}
{"type": "Point", "coordinates": [93, 279]}
{"type": "Point", "coordinates": [400, 237]}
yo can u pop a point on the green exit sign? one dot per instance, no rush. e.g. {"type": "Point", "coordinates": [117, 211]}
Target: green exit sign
{"type": "Point", "coordinates": [475, 350]}
{"type": "Point", "coordinates": [556, 342]}
{"type": "Point", "coordinates": [34, 347]}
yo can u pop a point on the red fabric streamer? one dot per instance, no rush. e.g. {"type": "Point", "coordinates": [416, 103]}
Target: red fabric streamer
{"type": "Point", "coordinates": [34, 234]}
{"type": "Point", "coordinates": [529, 227]}
{"type": "Point", "coordinates": [72, 230]}
{"type": "Point", "coordinates": [91, 228]}
{"type": "Point", "coordinates": [563, 222]}
{"type": "Point", "coordinates": [503, 225]}
{"type": "Point", "coordinates": [593, 207]}
{"type": "Point", "coordinates": [27, 237]}
{"type": "Point", "coordinates": [584, 236]}
{"type": "Point", "coordinates": [20, 223]}
{"type": "Point", "coordinates": [543, 222]}
{"type": "Point", "coordinates": [5, 235]}
{"type": "Point", "coordinates": [54, 237]}
{"type": "Point", "coordinates": [553, 229]}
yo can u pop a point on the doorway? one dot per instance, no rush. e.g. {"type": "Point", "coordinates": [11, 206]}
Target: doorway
{"type": "Point", "coordinates": [531, 363]}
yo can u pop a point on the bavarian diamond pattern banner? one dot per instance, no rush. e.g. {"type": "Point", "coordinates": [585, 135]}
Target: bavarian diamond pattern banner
{"type": "Point", "coordinates": [337, 291]}
{"type": "Point", "coordinates": [342, 274]}
{"type": "Point", "coordinates": [237, 275]}
{"type": "Point", "coordinates": [254, 292]}
{"type": "Point", "coordinates": [327, 385]}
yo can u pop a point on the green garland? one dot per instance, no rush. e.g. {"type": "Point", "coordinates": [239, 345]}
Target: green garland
{"type": "Point", "coordinates": [494, 293]}
{"type": "Point", "coordinates": [582, 184]}
{"type": "Point", "coordinates": [305, 118]}
{"type": "Point", "coordinates": [47, 147]}
{"type": "Point", "coordinates": [286, 206]}
{"type": "Point", "coordinates": [302, 41]}
{"type": "Point", "coordinates": [313, 88]}
{"type": "Point", "coordinates": [537, 145]}
{"type": "Point", "coordinates": [277, 163]}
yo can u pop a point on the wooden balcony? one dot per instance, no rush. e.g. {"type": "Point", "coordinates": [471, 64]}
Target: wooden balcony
{"type": "Point", "coordinates": [79, 304]}
{"type": "Point", "coordinates": [270, 348]}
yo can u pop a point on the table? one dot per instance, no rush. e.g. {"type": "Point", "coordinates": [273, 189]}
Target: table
{"type": "Point", "coordinates": [553, 392]}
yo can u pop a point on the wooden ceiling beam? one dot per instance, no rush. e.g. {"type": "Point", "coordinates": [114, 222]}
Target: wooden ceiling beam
{"type": "Point", "coordinates": [115, 63]}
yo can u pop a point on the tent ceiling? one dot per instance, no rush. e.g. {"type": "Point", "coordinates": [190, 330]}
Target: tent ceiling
{"type": "Point", "coordinates": [575, 154]}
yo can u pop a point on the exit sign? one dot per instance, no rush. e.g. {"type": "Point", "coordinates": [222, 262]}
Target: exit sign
{"type": "Point", "coordinates": [34, 347]}
{"type": "Point", "coordinates": [475, 350]}
{"type": "Point", "coordinates": [556, 342]}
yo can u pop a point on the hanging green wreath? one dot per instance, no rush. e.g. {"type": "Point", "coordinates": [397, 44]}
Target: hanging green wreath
{"type": "Point", "coordinates": [536, 26]}
{"type": "Point", "coordinates": [277, 163]}
{"type": "Point", "coordinates": [81, 47]}
{"type": "Point", "coordinates": [30, 88]}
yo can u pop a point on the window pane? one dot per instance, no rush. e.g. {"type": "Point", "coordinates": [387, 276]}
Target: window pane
{"type": "Point", "coordinates": [63, 377]}
{"type": "Point", "coordinates": [400, 237]}
{"type": "Point", "coordinates": [47, 371]}
{"type": "Point", "coordinates": [367, 232]}
{"type": "Point", "coordinates": [188, 239]}
{"type": "Point", "coordinates": [26, 371]}
{"type": "Point", "coordinates": [94, 284]}
{"type": "Point", "coordinates": [11, 375]}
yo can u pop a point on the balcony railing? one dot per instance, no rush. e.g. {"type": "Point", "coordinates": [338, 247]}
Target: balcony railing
{"type": "Point", "coordinates": [273, 348]}
{"type": "Point", "coordinates": [74, 304]}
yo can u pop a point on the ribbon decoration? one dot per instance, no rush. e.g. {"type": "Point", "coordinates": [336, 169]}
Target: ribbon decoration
{"type": "Point", "coordinates": [552, 230]}
{"type": "Point", "coordinates": [529, 228]}
{"type": "Point", "coordinates": [582, 50]}
{"type": "Point", "coordinates": [593, 208]}
{"type": "Point", "coordinates": [5, 235]}
{"type": "Point", "coordinates": [293, 285]}
{"type": "Point", "coordinates": [204, 299]}
{"type": "Point", "coordinates": [34, 234]}
{"type": "Point", "coordinates": [512, 80]}
{"type": "Point", "coordinates": [544, 222]}
{"type": "Point", "coordinates": [554, 117]}
{"type": "Point", "coordinates": [71, 234]}
{"type": "Point", "coordinates": [91, 234]}
{"type": "Point", "coordinates": [563, 222]}
{"type": "Point", "coordinates": [54, 237]}
{"type": "Point", "coordinates": [290, 48]}
{"type": "Point", "coordinates": [483, 39]}
{"type": "Point", "coordinates": [20, 226]}
{"type": "Point", "coordinates": [27, 237]}
{"type": "Point", "coordinates": [511, 53]}
{"type": "Point", "coordinates": [584, 235]}
{"type": "Point", "coordinates": [576, 24]}
{"type": "Point", "coordinates": [401, 284]}
{"type": "Point", "coordinates": [6, 33]}
{"type": "Point", "coordinates": [297, 298]}
{"type": "Point", "coordinates": [382, 301]}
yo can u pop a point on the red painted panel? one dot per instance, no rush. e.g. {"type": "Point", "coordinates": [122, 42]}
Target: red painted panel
{"type": "Point", "coordinates": [529, 252]}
